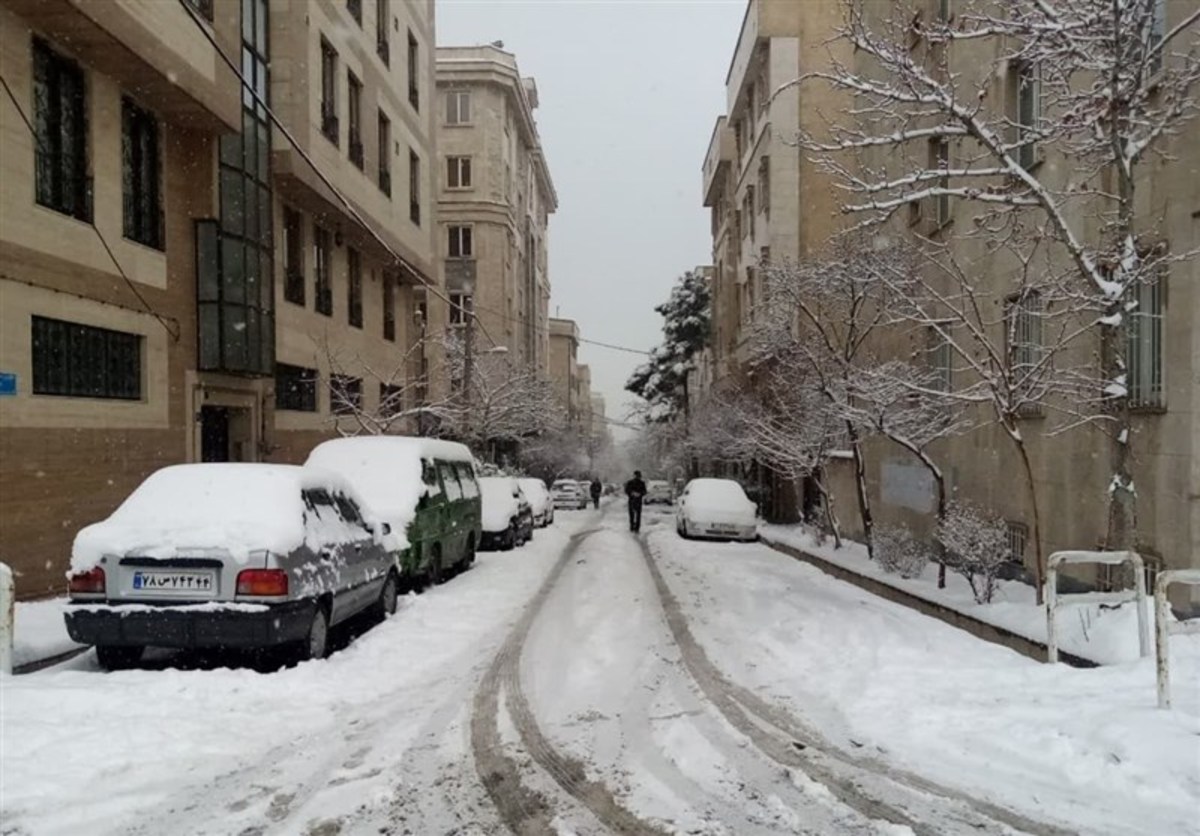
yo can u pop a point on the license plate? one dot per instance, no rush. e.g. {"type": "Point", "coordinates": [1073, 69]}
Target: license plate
{"type": "Point", "coordinates": [724, 529]}
{"type": "Point", "coordinates": [174, 582]}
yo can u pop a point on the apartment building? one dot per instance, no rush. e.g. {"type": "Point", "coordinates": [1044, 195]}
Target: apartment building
{"type": "Point", "coordinates": [583, 399]}
{"type": "Point", "coordinates": [355, 222]}
{"type": "Point", "coordinates": [108, 149]}
{"type": "Point", "coordinates": [495, 197]}
{"type": "Point", "coordinates": [767, 201]}
{"type": "Point", "coordinates": [180, 282]}
{"type": "Point", "coordinates": [564, 364]}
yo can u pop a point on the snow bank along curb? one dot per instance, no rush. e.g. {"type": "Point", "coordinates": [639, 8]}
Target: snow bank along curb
{"type": "Point", "coordinates": [980, 629]}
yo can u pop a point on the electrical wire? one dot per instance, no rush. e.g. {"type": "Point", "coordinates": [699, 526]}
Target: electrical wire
{"type": "Point", "coordinates": [173, 333]}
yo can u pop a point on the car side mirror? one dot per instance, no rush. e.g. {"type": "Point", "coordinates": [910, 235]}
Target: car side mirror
{"type": "Point", "coordinates": [385, 529]}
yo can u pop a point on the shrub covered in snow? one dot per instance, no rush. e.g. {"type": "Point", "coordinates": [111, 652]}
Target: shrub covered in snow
{"type": "Point", "coordinates": [898, 552]}
{"type": "Point", "coordinates": [976, 546]}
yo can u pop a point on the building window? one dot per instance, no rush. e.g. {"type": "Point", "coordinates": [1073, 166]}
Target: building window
{"type": "Point", "coordinates": [61, 179]}
{"type": "Point", "coordinates": [355, 9]}
{"type": "Point", "coordinates": [295, 388]}
{"type": "Point", "coordinates": [939, 150]}
{"type": "Point", "coordinates": [345, 394]}
{"type": "Point", "coordinates": [354, 145]}
{"type": "Point", "coordinates": [1144, 343]}
{"type": "Point", "coordinates": [458, 107]}
{"type": "Point", "coordinates": [204, 7]}
{"type": "Point", "coordinates": [329, 117]}
{"type": "Point", "coordinates": [391, 400]}
{"type": "Point", "coordinates": [414, 93]}
{"type": "Point", "coordinates": [323, 266]}
{"type": "Point", "coordinates": [748, 207]}
{"type": "Point", "coordinates": [1157, 33]}
{"type": "Point", "coordinates": [235, 255]}
{"type": "Point", "coordinates": [943, 11]}
{"type": "Point", "coordinates": [941, 357]}
{"type": "Point", "coordinates": [81, 361]}
{"type": "Point", "coordinates": [293, 257]}
{"type": "Point", "coordinates": [460, 243]}
{"type": "Point", "coordinates": [141, 167]}
{"type": "Point", "coordinates": [764, 186]}
{"type": "Point", "coordinates": [414, 187]}
{"type": "Point", "coordinates": [1029, 113]}
{"type": "Point", "coordinates": [389, 308]}
{"type": "Point", "coordinates": [458, 172]}
{"type": "Point", "coordinates": [385, 154]}
{"type": "Point", "coordinates": [354, 287]}
{"type": "Point", "coordinates": [1018, 539]}
{"type": "Point", "coordinates": [460, 304]}
{"type": "Point", "coordinates": [1023, 329]}
{"type": "Point", "coordinates": [383, 46]}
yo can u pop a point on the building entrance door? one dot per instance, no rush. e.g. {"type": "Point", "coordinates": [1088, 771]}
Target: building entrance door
{"type": "Point", "coordinates": [214, 434]}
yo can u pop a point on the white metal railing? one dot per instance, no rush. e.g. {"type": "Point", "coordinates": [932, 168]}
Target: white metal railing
{"type": "Point", "coordinates": [1137, 594]}
{"type": "Point", "coordinates": [1164, 629]}
{"type": "Point", "coordinates": [8, 596]}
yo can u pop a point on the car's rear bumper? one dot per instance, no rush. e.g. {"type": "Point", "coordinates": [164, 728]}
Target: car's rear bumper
{"type": "Point", "coordinates": [720, 531]}
{"type": "Point", "coordinates": [186, 627]}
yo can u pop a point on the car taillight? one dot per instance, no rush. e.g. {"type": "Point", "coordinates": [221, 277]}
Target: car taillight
{"type": "Point", "coordinates": [262, 582]}
{"type": "Point", "coordinates": [90, 582]}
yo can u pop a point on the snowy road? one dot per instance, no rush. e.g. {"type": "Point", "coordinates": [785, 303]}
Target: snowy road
{"type": "Point", "coordinates": [593, 683]}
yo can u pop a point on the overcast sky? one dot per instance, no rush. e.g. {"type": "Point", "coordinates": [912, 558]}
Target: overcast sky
{"type": "Point", "coordinates": [628, 90]}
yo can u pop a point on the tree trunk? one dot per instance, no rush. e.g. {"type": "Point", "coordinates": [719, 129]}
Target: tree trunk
{"type": "Point", "coordinates": [1039, 552]}
{"type": "Point", "coordinates": [860, 485]}
{"type": "Point", "coordinates": [830, 517]}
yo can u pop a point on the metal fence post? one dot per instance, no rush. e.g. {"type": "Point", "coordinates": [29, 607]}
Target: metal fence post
{"type": "Point", "coordinates": [1163, 629]}
{"type": "Point", "coordinates": [8, 597]}
{"type": "Point", "coordinates": [1109, 558]}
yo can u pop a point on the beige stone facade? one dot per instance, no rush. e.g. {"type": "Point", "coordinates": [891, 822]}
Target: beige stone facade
{"type": "Point", "coordinates": [166, 350]}
{"type": "Point", "coordinates": [564, 365]}
{"type": "Point", "coordinates": [495, 196]}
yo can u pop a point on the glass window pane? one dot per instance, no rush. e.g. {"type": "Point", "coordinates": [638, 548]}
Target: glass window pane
{"type": "Point", "coordinates": [267, 344]}
{"type": "Point", "coordinates": [249, 159]}
{"type": "Point", "coordinates": [231, 150]}
{"type": "Point", "coordinates": [266, 230]}
{"type": "Point", "coordinates": [207, 287]}
{"type": "Point", "coordinates": [232, 211]}
{"type": "Point", "coordinates": [233, 327]}
{"type": "Point", "coordinates": [264, 150]}
{"type": "Point", "coordinates": [233, 272]}
{"type": "Point", "coordinates": [267, 277]}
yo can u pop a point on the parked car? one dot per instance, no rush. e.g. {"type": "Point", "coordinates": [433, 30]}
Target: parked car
{"type": "Point", "coordinates": [716, 508]}
{"type": "Point", "coordinates": [228, 555]}
{"type": "Point", "coordinates": [658, 492]}
{"type": "Point", "coordinates": [568, 494]}
{"type": "Point", "coordinates": [424, 488]}
{"type": "Point", "coordinates": [507, 515]}
{"type": "Point", "coordinates": [539, 501]}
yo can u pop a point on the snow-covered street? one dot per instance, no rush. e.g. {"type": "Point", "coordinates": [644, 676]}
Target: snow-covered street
{"type": "Point", "coordinates": [591, 683]}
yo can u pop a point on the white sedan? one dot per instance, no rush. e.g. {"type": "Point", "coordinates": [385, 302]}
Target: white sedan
{"type": "Point", "coordinates": [539, 500]}
{"type": "Point", "coordinates": [716, 508]}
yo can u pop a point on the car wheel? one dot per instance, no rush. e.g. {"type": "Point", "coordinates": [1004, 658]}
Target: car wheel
{"type": "Point", "coordinates": [389, 597]}
{"type": "Point", "coordinates": [118, 657]}
{"type": "Point", "coordinates": [683, 532]}
{"type": "Point", "coordinates": [435, 572]}
{"type": "Point", "coordinates": [316, 644]}
{"type": "Point", "coordinates": [510, 538]}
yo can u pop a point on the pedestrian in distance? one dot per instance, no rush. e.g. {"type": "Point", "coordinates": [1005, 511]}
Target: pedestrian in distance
{"type": "Point", "coordinates": [597, 489]}
{"type": "Point", "coordinates": [635, 489]}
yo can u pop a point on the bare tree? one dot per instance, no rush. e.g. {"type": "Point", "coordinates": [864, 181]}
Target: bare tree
{"type": "Point", "coordinates": [401, 395]}
{"type": "Point", "coordinates": [1101, 84]}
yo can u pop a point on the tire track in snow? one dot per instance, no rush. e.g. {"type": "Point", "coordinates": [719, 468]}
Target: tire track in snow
{"type": "Point", "coordinates": [790, 743]}
{"type": "Point", "coordinates": [524, 811]}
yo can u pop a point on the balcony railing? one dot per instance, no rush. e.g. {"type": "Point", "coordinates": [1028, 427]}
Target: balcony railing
{"type": "Point", "coordinates": [329, 122]}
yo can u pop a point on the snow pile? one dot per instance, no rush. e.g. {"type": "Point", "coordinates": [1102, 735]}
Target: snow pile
{"type": "Point", "coordinates": [1101, 633]}
{"type": "Point", "coordinates": [239, 508]}
{"type": "Point", "coordinates": [500, 503]}
{"type": "Point", "coordinates": [1087, 749]}
{"type": "Point", "coordinates": [39, 631]}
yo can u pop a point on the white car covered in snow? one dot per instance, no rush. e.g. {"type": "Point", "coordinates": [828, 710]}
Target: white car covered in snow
{"type": "Point", "coordinates": [716, 508]}
{"type": "Point", "coordinates": [568, 493]}
{"type": "Point", "coordinates": [507, 516]}
{"type": "Point", "coordinates": [228, 556]}
{"type": "Point", "coordinates": [539, 501]}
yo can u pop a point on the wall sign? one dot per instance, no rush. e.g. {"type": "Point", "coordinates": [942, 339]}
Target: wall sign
{"type": "Point", "coordinates": [8, 383]}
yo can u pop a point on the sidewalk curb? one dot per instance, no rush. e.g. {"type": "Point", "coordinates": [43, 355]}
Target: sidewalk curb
{"type": "Point", "coordinates": [36, 665]}
{"type": "Point", "coordinates": [980, 629]}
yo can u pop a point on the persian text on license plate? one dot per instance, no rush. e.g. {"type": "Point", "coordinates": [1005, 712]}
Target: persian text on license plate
{"type": "Point", "coordinates": [174, 583]}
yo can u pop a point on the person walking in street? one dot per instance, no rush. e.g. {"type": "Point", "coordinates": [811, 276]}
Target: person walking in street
{"type": "Point", "coordinates": [597, 489]}
{"type": "Point", "coordinates": [635, 489]}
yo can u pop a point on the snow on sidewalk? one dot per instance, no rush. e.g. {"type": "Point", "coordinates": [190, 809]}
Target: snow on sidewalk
{"type": "Point", "coordinates": [1104, 634]}
{"type": "Point", "coordinates": [39, 631]}
{"type": "Point", "coordinates": [1084, 748]}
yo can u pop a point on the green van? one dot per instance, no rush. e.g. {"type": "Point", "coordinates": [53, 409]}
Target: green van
{"type": "Point", "coordinates": [424, 488]}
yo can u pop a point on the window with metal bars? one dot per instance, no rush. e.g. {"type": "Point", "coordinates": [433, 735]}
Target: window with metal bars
{"type": "Point", "coordinates": [141, 175]}
{"type": "Point", "coordinates": [414, 71]}
{"type": "Point", "coordinates": [329, 117]}
{"type": "Point", "coordinates": [1144, 343]}
{"type": "Point", "coordinates": [323, 269]}
{"type": "Point", "coordinates": [354, 144]}
{"type": "Point", "coordinates": [345, 394]}
{"type": "Point", "coordinates": [941, 357]}
{"type": "Point", "coordinates": [384, 141]}
{"type": "Point", "coordinates": [81, 361]}
{"type": "Point", "coordinates": [354, 287]}
{"type": "Point", "coordinates": [1018, 540]}
{"type": "Point", "coordinates": [391, 399]}
{"type": "Point", "coordinates": [1023, 336]}
{"type": "Point", "coordinates": [1029, 113]}
{"type": "Point", "coordinates": [414, 187]}
{"type": "Point", "coordinates": [293, 257]}
{"type": "Point", "coordinates": [389, 308]}
{"type": "Point", "coordinates": [61, 180]}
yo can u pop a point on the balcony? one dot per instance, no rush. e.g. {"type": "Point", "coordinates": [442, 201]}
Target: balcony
{"type": "Point", "coordinates": [716, 161]}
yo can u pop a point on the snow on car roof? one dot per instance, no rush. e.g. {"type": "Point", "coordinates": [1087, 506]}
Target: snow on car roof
{"type": "Point", "coordinates": [386, 470]}
{"type": "Point", "coordinates": [238, 507]}
{"type": "Point", "coordinates": [715, 489]}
